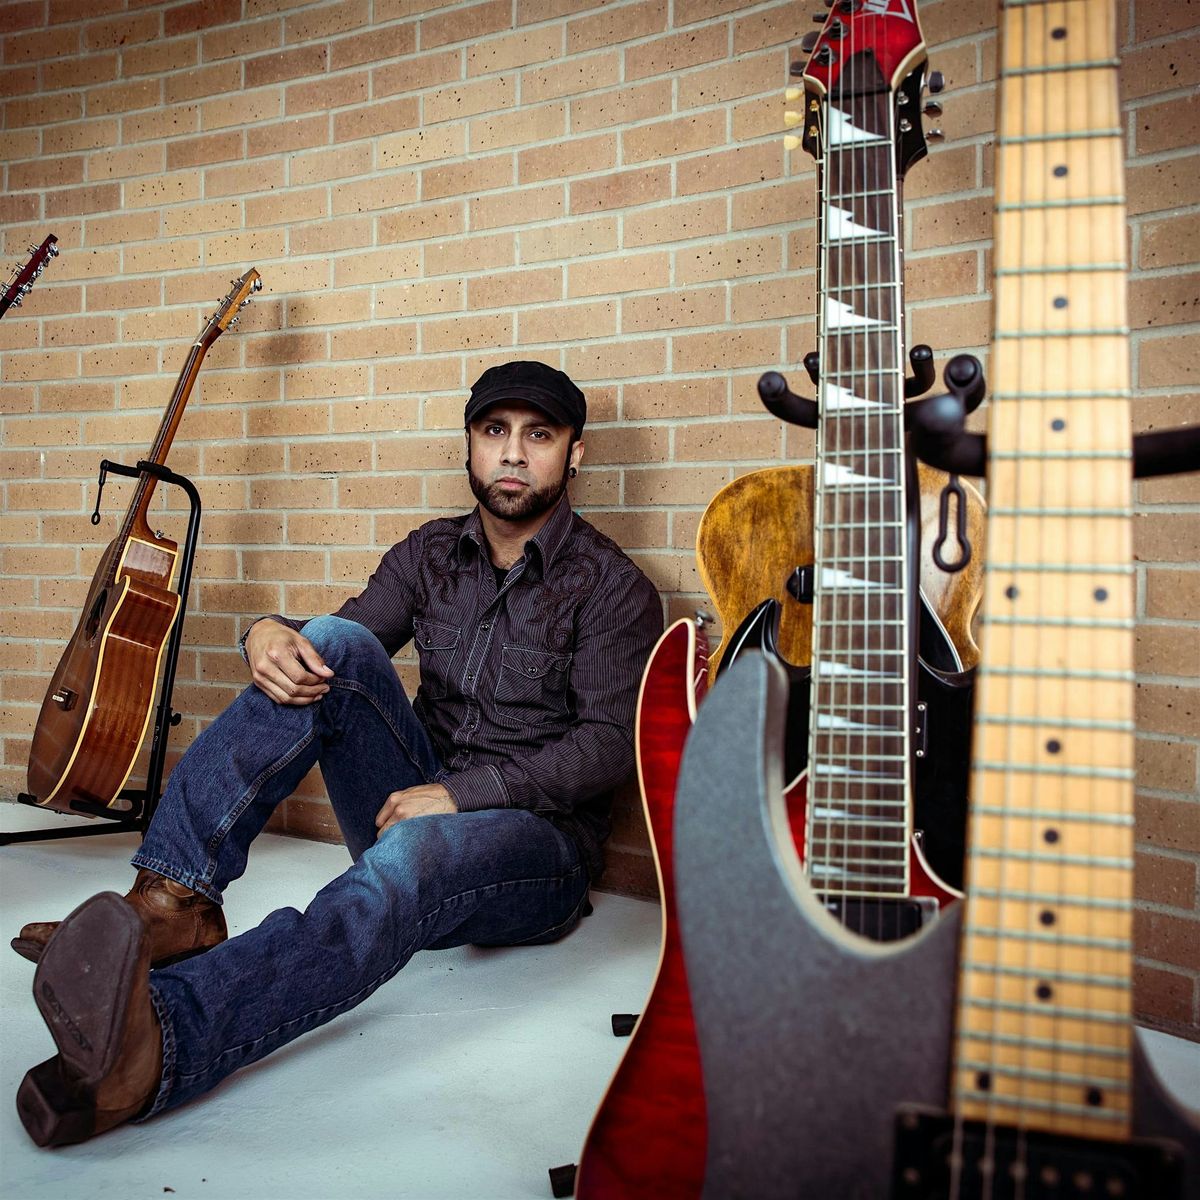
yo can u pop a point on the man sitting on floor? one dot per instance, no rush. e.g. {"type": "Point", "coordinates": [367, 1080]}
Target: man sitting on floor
{"type": "Point", "coordinates": [474, 814]}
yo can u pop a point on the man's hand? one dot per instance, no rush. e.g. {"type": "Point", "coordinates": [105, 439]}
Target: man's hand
{"type": "Point", "coordinates": [285, 665]}
{"type": "Point", "coordinates": [419, 801]}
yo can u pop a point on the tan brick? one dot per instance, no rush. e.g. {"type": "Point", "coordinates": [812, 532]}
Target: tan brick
{"type": "Point", "coordinates": [45, 173]}
{"type": "Point", "coordinates": [729, 259]}
{"type": "Point", "coordinates": [1164, 300]}
{"type": "Point", "coordinates": [160, 57]}
{"type": "Point", "coordinates": [163, 189]}
{"type": "Point", "coordinates": [375, 119]}
{"type": "Point", "coordinates": [1172, 594]}
{"type": "Point", "coordinates": [1166, 765]}
{"type": "Point", "coordinates": [376, 416]}
{"type": "Point", "coordinates": [1145, 69]}
{"type": "Point", "coordinates": [626, 359]}
{"type": "Point", "coordinates": [525, 125]}
{"type": "Point", "coordinates": [465, 24]}
{"type": "Point", "coordinates": [570, 322]}
{"type": "Point", "coordinates": [469, 99]}
{"type": "Point", "coordinates": [80, 135]}
{"type": "Point", "coordinates": [467, 178]}
{"type": "Point", "coordinates": [629, 444]}
{"type": "Point", "coordinates": [721, 350]}
{"type": "Point", "coordinates": [284, 137]}
{"type": "Point", "coordinates": [1156, 187]}
{"type": "Point", "coordinates": [942, 275]}
{"type": "Point", "coordinates": [243, 178]}
{"type": "Point", "coordinates": [426, 70]}
{"type": "Point", "coordinates": [502, 289]}
{"type": "Point", "coordinates": [702, 397]}
{"type": "Point", "coordinates": [124, 163]}
{"type": "Point", "coordinates": [308, 382]}
{"type": "Point", "coordinates": [340, 308]}
{"type": "Point", "coordinates": [523, 206]}
{"type": "Point", "coordinates": [1155, 19]}
{"type": "Point", "coordinates": [611, 27]}
{"type": "Point", "coordinates": [378, 266]}
{"type": "Point", "coordinates": [375, 45]}
{"type": "Point", "coordinates": [456, 255]}
{"type": "Point", "coordinates": [319, 166]}
{"type": "Point", "coordinates": [569, 240]}
{"type": "Point", "coordinates": [1170, 362]}
{"type": "Point", "coordinates": [79, 70]}
{"type": "Point", "coordinates": [942, 225]}
{"type": "Point", "coordinates": [678, 222]}
{"type": "Point", "coordinates": [676, 52]}
{"type": "Point", "coordinates": [514, 50]}
{"type": "Point", "coordinates": [677, 310]}
{"type": "Point", "coordinates": [90, 198]}
{"type": "Point", "coordinates": [623, 106]}
{"type": "Point", "coordinates": [124, 97]}
{"type": "Point", "coordinates": [40, 364]}
{"type": "Point", "coordinates": [285, 64]}
{"type": "Point", "coordinates": [574, 156]}
{"type": "Point", "coordinates": [467, 333]}
{"type": "Point", "coordinates": [412, 299]}
{"type": "Point", "coordinates": [327, 21]}
{"type": "Point", "coordinates": [952, 326]}
{"type": "Point", "coordinates": [122, 31]}
{"type": "Point", "coordinates": [377, 340]}
{"type": "Point", "coordinates": [667, 139]}
{"type": "Point", "coordinates": [632, 530]}
{"type": "Point", "coordinates": [748, 75]}
{"type": "Point", "coordinates": [1163, 997]}
{"type": "Point", "coordinates": [420, 452]}
{"type": "Point", "coordinates": [623, 189]}
{"type": "Point", "coordinates": [947, 171]}
{"type": "Point", "coordinates": [1162, 880]}
{"type": "Point", "coordinates": [327, 237]}
{"type": "Point", "coordinates": [1171, 125]}
{"type": "Point", "coordinates": [43, 109]}
{"type": "Point", "coordinates": [79, 331]}
{"type": "Point", "coordinates": [573, 76]}
{"type": "Point", "coordinates": [610, 276]}
{"type": "Point", "coordinates": [674, 485]}
{"type": "Point", "coordinates": [425, 374]}
{"type": "Point", "coordinates": [418, 222]}
{"type": "Point", "coordinates": [290, 494]}
{"type": "Point", "coordinates": [1168, 708]}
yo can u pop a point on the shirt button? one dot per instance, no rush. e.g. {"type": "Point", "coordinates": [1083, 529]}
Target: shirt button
{"type": "Point", "coordinates": [470, 678]}
{"type": "Point", "coordinates": [531, 670]}
{"type": "Point", "coordinates": [486, 625]}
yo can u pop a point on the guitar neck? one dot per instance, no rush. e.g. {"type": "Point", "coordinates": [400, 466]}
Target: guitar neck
{"type": "Point", "coordinates": [858, 823]}
{"type": "Point", "coordinates": [1044, 1024]}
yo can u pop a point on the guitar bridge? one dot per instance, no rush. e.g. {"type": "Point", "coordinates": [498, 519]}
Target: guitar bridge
{"type": "Point", "coordinates": [65, 698]}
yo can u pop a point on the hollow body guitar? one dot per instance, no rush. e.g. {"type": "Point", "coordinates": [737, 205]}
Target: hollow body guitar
{"type": "Point", "coordinates": [993, 1054]}
{"type": "Point", "coordinates": [97, 707]}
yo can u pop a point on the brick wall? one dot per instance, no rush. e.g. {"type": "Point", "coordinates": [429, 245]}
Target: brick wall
{"type": "Point", "coordinates": [429, 189]}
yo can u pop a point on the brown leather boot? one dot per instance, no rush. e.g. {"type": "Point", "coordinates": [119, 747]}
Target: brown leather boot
{"type": "Point", "coordinates": [92, 988]}
{"type": "Point", "coordinates": [181, 922]}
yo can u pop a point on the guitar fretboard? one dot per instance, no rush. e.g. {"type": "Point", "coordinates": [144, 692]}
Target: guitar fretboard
{"type": "Point", "coordinates": [1044, 1021]}
{"type": "Point", "coordinates": [858, 822]}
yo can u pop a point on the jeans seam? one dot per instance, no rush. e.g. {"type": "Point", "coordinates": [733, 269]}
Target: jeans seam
{"type": "Point", "coordinates": [167, 1083]}
{"type": "Point", "coordinates": [352, 685]}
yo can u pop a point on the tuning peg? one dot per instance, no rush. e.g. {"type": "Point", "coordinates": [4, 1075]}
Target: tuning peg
{"type": "Point", "coordinates": [937, 81]}
{"type": "Point", "coordinates": [932, 108]}
{"type": "Point", "coordinates": [934, 135]}
{"type": "Point", "coordinates": [791, 95]}
{"type": "Point", "coordinates": [807, 43]}
{"type": "Point", "coordinates": [791, 142]}
{"type": "Point", "coordinates": [792, 119]}
{"type": "Point", "coordinates": [820, 18]}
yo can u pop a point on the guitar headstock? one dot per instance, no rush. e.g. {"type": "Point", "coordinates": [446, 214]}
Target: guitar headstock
{"type": "Point", "coordinates": [23, 279]}
{"type": "Point", "coordinates": [864, 48]}
{"type": "Point", "coordinates": [238, 296]}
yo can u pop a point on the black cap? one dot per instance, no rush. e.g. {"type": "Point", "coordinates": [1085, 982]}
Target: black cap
{"type": "Point", "coordinates": [548, 390]}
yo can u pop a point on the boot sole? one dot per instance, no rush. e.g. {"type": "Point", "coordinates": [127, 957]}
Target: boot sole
{"type": "Point", "coordinates": [32, 951]}
{"type": "Point", "coordinates": [52, 1116]}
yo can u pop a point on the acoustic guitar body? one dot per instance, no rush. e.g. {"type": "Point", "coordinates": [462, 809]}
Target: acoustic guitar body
{"type": "Point", "coordinates": [97, 707]}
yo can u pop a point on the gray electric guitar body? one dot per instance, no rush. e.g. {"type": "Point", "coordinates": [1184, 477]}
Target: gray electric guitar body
{"type": "Point", "coordinates": [811, 1038]}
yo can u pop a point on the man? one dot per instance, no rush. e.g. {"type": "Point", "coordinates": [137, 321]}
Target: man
{"type": "Point", "coordinates": [473, 815]}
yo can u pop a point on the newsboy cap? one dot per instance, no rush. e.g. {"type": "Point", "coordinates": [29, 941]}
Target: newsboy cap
{"type": "Point", "coordinates": [547, 389]}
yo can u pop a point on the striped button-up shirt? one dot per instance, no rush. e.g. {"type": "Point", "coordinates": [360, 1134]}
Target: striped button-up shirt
{"type": "Point", "coordinates": [528, 689]}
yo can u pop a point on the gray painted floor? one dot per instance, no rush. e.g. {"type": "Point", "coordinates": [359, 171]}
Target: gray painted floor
{"type": "Point", "coordinates": [464, 1078]}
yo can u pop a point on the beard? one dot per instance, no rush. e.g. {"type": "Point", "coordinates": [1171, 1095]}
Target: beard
{"type": "Point", "coordinates": [532, 502]}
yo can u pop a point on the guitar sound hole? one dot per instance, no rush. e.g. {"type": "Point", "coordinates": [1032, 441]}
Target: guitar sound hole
{"type": "Point", "coordinates": [95, 613]}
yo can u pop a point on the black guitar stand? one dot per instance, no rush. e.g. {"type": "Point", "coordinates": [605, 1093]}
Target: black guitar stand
{"type": "Point", "coordinates": [142, 801]}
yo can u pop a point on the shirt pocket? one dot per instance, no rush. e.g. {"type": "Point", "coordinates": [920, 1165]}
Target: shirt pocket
{"type": "Point", "coordinates": [437, 645]}
{"type": "Point", "coordinates": [533, 685]}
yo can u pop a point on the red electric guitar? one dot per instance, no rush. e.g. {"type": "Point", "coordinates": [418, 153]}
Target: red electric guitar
{"type": "Point", "coordinates": [21, 283]}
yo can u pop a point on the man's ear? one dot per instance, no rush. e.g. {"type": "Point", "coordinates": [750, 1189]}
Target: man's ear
{"type": "Point", "coordinates": [575, 455]}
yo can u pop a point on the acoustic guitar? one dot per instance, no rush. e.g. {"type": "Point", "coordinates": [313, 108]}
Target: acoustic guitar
{"type": "Point", "coordinates": [23, 278]}
{"type": "Point", "coordinates": [97, 707]}
{"type": "Point", "coordinates": [1004, 1063]}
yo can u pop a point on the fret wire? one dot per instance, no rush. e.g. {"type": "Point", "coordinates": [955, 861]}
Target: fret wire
{"type": "Point", "coordinates": [1060, 622]}
{"type": "Point", "coordinates": [1065, 269]}
{"type": "Point", "coordinates": [1065, 569]}
{"type": "Point", "coordinates": [834, 197]}
{"type": "Point", "coordinates": [1061, 860]}
{"type": "Point", "coordinates": [1065, 769]}
{"type": "Point", "coordinates": [1080, 940]}
{"type": "Point", "coordinates": [1120, 982]}
{"type": "Point", "coordinates": [1052, 898]}
{"type": "Point", "coordinates": [852, 820]}
{"type": "Point", "coordinates": [1051, 1011]}
{"type": "Point", "coordinates": [1064, 673]}
{"type": "Point", "coordinates": [860, 861]}
{"type": "Point", "coordinates": [1054, 68]}
{"type": "Point", "coordinates": [1067, 202]}
{"type": "Point", "coordinates": [858, 489]}
{"type": "Point", "coordinates": [1054, 814]}
{"type": "Point", "coordinates": [859, 841]}
{"type": "Point", "coordinates": [1024, 139]}
{"type": "Point", "coordinates": [1053, 1106]}
{"type": "Point", "coordinates": [1061, 455]}
{"type": "Point", "coordinates": [1032, 1043]}
{"type": "Point", "coordinates": [1057, 723]}
{"type": "Point", "coordinates": [1085, 394]}
{"type": "Point", "coordinates": [1065, 1077]}
{"type": "Point", "coordinates": [1100, 331]}
{"type": "Point", "coordinates": [1061, 512]}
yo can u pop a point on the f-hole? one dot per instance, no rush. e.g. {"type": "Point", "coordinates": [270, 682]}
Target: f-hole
{"type": "Point", "coordinates": [95, 613]}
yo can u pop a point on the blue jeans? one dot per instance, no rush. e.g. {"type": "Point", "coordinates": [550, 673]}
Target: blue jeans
{"type": "Point", "coordinates": [495, 877]}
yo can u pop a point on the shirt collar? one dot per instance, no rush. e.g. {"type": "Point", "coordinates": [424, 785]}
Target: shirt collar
{"type": "Point", "coordinates": [544, 545]}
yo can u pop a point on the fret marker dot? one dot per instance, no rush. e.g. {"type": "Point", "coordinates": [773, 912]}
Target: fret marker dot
{"type": "Point", "coordinates": [1011, 592]}
{"type": "Point", "coordinates": [1044, 991]}
{"type": "Point", "coordinates": [1060, 171]}
{"type": "Point", "coordinates": [1058, 34]}
{"type": "Point", "coordinates": [1095, 1097]}
{"type": "Point", "coordinates": [1060, 302]}
{"type": "Point", "coordinates": [983, 1081]}
{"type": "Point", "coordinates": [1053, 745]}
{"type": "Point", "coordinates": [1101, 594]}
{"type": "Point", "coordinates": [1046, 917]}
{"type": "Point", "coordinates": [1051, 836]}
{"type": "Point", "coordinates": [1058, 424]}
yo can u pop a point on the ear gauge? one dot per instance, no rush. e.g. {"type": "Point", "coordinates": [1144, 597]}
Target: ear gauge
{"type": "Point", "coordinates": [573, 472]}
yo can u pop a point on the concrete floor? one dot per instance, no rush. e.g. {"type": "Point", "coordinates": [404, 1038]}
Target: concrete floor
{"type": "Point", "coordinates": [465, 1078]}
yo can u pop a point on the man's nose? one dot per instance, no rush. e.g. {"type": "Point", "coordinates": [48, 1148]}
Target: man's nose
{"type": "Point", "coordinates": [513, 452]}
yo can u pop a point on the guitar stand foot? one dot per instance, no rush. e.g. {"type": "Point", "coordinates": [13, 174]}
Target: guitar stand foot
{"type": "Point", "coordinates": [623, 1023]}
{"type": "Point", "coordinates": [562, 1180]}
